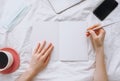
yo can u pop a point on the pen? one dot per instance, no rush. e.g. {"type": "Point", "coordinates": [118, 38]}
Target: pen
{"type": "Point", "coordinates": [103, 26]}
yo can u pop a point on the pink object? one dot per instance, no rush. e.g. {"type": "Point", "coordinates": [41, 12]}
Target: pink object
{"type": "Point", "coordinates": [16, 62]}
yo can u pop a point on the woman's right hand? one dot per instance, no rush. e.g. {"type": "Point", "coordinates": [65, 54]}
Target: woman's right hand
{"type": "Point", "coordinates": [97, 37]}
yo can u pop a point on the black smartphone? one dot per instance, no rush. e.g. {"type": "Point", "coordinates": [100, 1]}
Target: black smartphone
{"type": "Point", "coordinates": [105, 9]}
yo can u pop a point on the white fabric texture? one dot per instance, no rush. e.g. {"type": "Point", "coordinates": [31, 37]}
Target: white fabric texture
{"type": "Point", "coordinates": [41, 10]}
{"type": "Point", "coordinates": [16, 10]}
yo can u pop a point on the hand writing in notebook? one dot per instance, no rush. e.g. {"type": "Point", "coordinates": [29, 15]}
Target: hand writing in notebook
{"type": "Point", "coordinates": [97, 36]}
{"type": "Point", "coordinates": [97, 39]}
{"type": "Point", "coordinates": [41, 56]}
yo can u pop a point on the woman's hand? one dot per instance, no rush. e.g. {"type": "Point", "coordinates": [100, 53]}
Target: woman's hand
{"type": "Point", "coordinates": [97, 37]}
{"type": "Point", "coordinates": [39, 61]}
{"type": "Point", "coordinates": [40, 57]}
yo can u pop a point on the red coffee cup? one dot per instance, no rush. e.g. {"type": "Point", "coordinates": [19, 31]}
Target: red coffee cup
{"type": "Point", "coordinates": [9, 60]}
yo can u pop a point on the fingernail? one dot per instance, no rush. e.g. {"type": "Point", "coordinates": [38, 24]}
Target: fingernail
{"type": "Point", "coordinates": [89, 30]}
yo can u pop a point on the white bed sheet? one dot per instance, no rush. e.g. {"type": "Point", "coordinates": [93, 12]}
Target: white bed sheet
{"type": "Point", "coordinates": [41, 10]}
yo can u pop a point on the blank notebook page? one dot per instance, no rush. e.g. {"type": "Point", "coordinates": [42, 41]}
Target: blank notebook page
{"type": "Point", "coordinates": [48, 31]}
{"type": "Point", "coordinates": [73, 41]}
{"type": "Point", "coordinates": [70, 42]}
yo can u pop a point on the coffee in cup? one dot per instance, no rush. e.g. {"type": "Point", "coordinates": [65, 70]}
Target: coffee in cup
{"type": "Point", "coordinates": [6, 60]}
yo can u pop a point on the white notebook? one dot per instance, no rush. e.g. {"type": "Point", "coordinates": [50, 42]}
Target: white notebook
{"type": "Point", "coordinates": [70, 42]}
{"type": "Point", "coordinates": [61, 5]}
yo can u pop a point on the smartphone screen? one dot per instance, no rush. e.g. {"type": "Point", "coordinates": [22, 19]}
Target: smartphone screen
{"type": "Point", "coordinates": [105, 9]}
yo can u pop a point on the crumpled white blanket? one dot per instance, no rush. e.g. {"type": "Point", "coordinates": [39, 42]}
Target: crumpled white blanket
{"type": "Point", "coordinates": [19, 39]}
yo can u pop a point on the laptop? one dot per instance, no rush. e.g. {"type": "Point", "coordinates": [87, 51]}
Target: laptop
{"type": "Point", "coordinates": [61, 5]}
